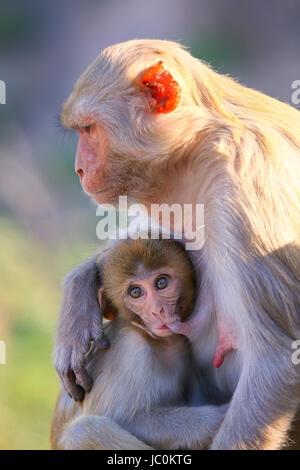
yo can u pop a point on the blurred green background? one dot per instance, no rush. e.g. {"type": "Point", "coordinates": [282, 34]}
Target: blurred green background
{"type": "Point", "coordinates": [47, 225]}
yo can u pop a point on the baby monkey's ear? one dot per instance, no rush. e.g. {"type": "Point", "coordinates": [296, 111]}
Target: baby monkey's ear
{"type": "Point", "coordinates": [106, 307]}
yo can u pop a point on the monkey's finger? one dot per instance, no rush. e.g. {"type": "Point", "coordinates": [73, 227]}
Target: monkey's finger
{"type": "Point", "coordinates": [68, 380]}
{"type": "Point", "coordinates": [102, 342]}
{"type": "Point", "coordinates": [83, 379]}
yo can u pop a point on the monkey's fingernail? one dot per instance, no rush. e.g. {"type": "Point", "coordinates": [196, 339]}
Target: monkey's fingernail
{"type": "Point", "coordinates": [79, 395]}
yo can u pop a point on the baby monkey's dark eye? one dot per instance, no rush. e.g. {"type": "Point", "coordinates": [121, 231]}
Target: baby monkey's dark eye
{"type": "Point", "coordinates": [135, 292]}
{"type": "Point", "coordinates": [162, 282]}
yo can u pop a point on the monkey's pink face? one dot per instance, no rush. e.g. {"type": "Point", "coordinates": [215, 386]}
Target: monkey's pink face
{"type": "Point", "coordinates": [102, 177]}
{"type": "Point", "coordinates": [96, 172]}
{"type": "Point", "coordinates": [154, 299]}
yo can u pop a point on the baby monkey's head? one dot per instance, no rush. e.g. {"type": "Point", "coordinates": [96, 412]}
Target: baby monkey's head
{"type": "Point", "coordinates": [148, 282]}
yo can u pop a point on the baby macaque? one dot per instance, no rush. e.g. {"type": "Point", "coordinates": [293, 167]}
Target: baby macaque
{"type": "Point", "coordinates": [143, 383]}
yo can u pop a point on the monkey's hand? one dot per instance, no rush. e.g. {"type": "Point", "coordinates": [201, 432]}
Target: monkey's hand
{"type": "Point", "coordinates": [80, 322]}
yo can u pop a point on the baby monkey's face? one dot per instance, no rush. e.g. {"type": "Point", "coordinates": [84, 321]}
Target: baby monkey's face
{"type": "Point", "coordinates": [154, 298]}
{"type": "Point", "coordinates": [149, 283]}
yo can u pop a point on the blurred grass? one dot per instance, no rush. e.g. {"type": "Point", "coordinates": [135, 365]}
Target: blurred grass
{"type": "Point", "coordinates": [30, 277]}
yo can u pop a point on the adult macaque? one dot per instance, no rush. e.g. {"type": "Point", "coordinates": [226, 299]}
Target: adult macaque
{"type": "Point", "coordinates": [162, 127]}
{"type": "Point", "coordinates": [143, 381]}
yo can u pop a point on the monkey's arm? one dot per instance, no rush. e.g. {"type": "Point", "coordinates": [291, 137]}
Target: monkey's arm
{"type": "Point", "coordinates": [266, 395]}
{"type": "Point", "coordinates": [178, 427]}
{"type": "Point", "coordinates": [266, 398]}
{"type": "Point", "coordinates": [97, 433]}
{"type": "Point", "coordinates": [80, 322]}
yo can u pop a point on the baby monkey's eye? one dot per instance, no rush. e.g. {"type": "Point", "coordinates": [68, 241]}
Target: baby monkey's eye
{"type": "Point", "coordinates": [135, 292]}
{"type": "Point", "coordinates": [162, 282]}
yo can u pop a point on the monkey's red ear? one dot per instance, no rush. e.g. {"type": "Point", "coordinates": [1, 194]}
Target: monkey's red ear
{"type": "Point", "coordinates": [106, 306]}
{"type": "Point", "coordinates": [163, 88]}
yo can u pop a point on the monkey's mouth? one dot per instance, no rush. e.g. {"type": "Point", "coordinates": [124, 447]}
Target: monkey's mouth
{"type": "Point", "coordinates": [94, 194]}
{"type": "Point", "coordinates": [99, 192]}
{"type": "Point", "coordinates": [162, 331]}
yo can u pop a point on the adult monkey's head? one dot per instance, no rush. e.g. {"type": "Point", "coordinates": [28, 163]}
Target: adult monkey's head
{"type": "Point", "coordinates": [137, 109]}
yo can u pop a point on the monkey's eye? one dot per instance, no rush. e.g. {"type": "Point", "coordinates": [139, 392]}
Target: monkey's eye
{"type": "Point", "coordinates": [83, 128]}
{"type": "Point", "coordinates": [135, 292]}
{"type": "Point", "coordinates": [87, 128]}
{"type": "Point", "coordinates": [162, 282]}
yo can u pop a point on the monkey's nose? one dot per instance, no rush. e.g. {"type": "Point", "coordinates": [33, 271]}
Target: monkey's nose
{"type": "Point", "coordinates": [160, 315]}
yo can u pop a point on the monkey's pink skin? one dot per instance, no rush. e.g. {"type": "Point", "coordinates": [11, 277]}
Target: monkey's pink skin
{"type": "Point", "coordinates": [181, 328]}
{"type": "Point", "coordinates": [226, 341]}
{"type": "Point", "coordinates": [163, 88]}
{"type": "Point", "coordinates": [222, 349]}
{"type": "Point", "coordinates": [226, 344]}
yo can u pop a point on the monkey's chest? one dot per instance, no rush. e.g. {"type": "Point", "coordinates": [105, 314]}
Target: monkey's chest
{"type": "Point", "coordinates": [133, 376]}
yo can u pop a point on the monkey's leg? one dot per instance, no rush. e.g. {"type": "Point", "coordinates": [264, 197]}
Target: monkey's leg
{"type": "Point", "coordinates": [178, 427]}
{"type": "Point", "coordinates": [263, 405]}
{"type": "Point", "coordinates": [98, 433]}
